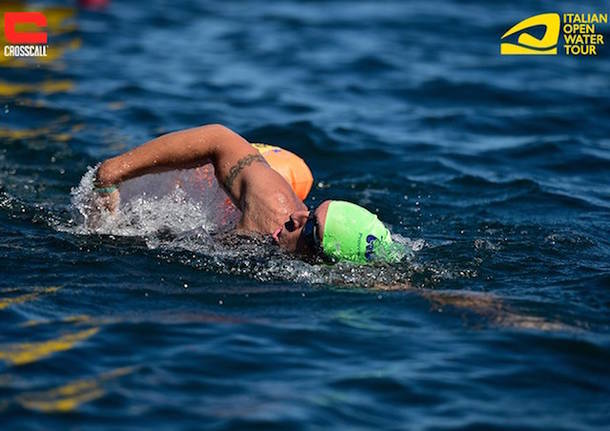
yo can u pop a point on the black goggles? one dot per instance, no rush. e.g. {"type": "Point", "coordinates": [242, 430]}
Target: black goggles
{"type": "Point", "coordinates": [310, 232]}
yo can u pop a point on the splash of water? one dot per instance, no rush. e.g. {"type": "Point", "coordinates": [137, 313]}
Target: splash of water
{"type": "Point", "coordinates": [145, 209]}
{"type": "Point", "coordinates": [190, 224]}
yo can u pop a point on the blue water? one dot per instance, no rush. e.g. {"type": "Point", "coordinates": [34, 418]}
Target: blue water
{"type": "Point", "coordinates": [493, 172]}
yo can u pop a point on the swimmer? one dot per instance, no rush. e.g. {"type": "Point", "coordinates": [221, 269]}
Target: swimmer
{"type": "Point", "coordinates": [335, 230]}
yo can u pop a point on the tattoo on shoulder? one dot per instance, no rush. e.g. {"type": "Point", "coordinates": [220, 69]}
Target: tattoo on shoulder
{"type": "Point", "coordinates": [240, 165]}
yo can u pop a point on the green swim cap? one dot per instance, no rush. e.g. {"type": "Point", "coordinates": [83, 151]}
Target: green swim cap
{"type": "Point", "coordinates": [355, 234]}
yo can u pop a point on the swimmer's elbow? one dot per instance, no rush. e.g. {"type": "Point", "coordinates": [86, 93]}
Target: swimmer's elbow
{"type": "Point", "coordinates": [215, 128]}
{"type": "Point", "coordinates": [218, 130]}
{"type": "Point", "coordinates": [225, 141]}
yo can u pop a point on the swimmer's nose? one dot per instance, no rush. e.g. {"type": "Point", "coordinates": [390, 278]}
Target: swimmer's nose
{"type": "Point", "coordinates": [276, 235]}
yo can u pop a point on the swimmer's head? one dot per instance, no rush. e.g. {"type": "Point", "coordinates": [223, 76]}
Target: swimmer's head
{"type": "Point", "coordinates": [341, 231]}
{"type": "Point", "coordinates": [302, 233]}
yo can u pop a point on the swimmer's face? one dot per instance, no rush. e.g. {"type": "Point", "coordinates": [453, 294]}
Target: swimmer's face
{"type": "Point", "coordinates": [289, 236]}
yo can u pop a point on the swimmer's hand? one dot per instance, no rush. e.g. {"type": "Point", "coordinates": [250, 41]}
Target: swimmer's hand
{"type": "Point", "coordinates": [102, 204]}
{"type": "Point", "coordinates": [105, 198]}
{"type": "Point", "coordinates": [105, 190]}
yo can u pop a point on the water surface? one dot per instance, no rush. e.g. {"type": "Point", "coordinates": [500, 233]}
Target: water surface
{"type": "Point", "coordinates": [493, 172]}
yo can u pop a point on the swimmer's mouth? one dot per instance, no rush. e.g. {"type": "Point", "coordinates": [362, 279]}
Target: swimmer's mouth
{"type": "Point", "coordinates": [276, 235]}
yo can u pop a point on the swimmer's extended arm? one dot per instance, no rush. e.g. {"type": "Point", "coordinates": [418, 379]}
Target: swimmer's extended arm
{"type": "Point", "coordinates": [229, 153]}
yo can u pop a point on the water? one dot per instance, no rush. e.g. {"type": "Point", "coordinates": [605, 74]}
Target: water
{"type": "Point", "coordinates": [493, 172]}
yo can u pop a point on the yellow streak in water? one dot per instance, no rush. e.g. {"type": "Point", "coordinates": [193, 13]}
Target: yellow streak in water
{"type": "Point", "coordinates": [115, 106]}
{"type": "Point", "coordinates": [70, 396]}
{"type": "Point", "coordinates": [5, 302]}
{"type": "Point", "coordinates": [484, 304]}
{"type": "Point", "coordinates": [80, 318]}
{"type": "Point", "coordinates": [10, 89]}
{"type": "Point", "coordinates": [63, 399]}
{"type": "Point", "coordinates": [24, 353]}
{"type": "Point", "coordinates": [46, 132]}
{"type": "Point", "coordinates": [23, 134]}
{"type": "Point", "coordinates": [56, 16]}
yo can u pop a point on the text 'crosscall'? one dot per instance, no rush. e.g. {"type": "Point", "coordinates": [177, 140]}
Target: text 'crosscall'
{"type": "Point", "coordinates": [21, 30]}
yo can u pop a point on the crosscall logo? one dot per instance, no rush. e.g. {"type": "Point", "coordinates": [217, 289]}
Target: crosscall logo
{"type": "Point", "coordinates": [580, 34]}
{"type": "Point", "coordinates": [25, 43]}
